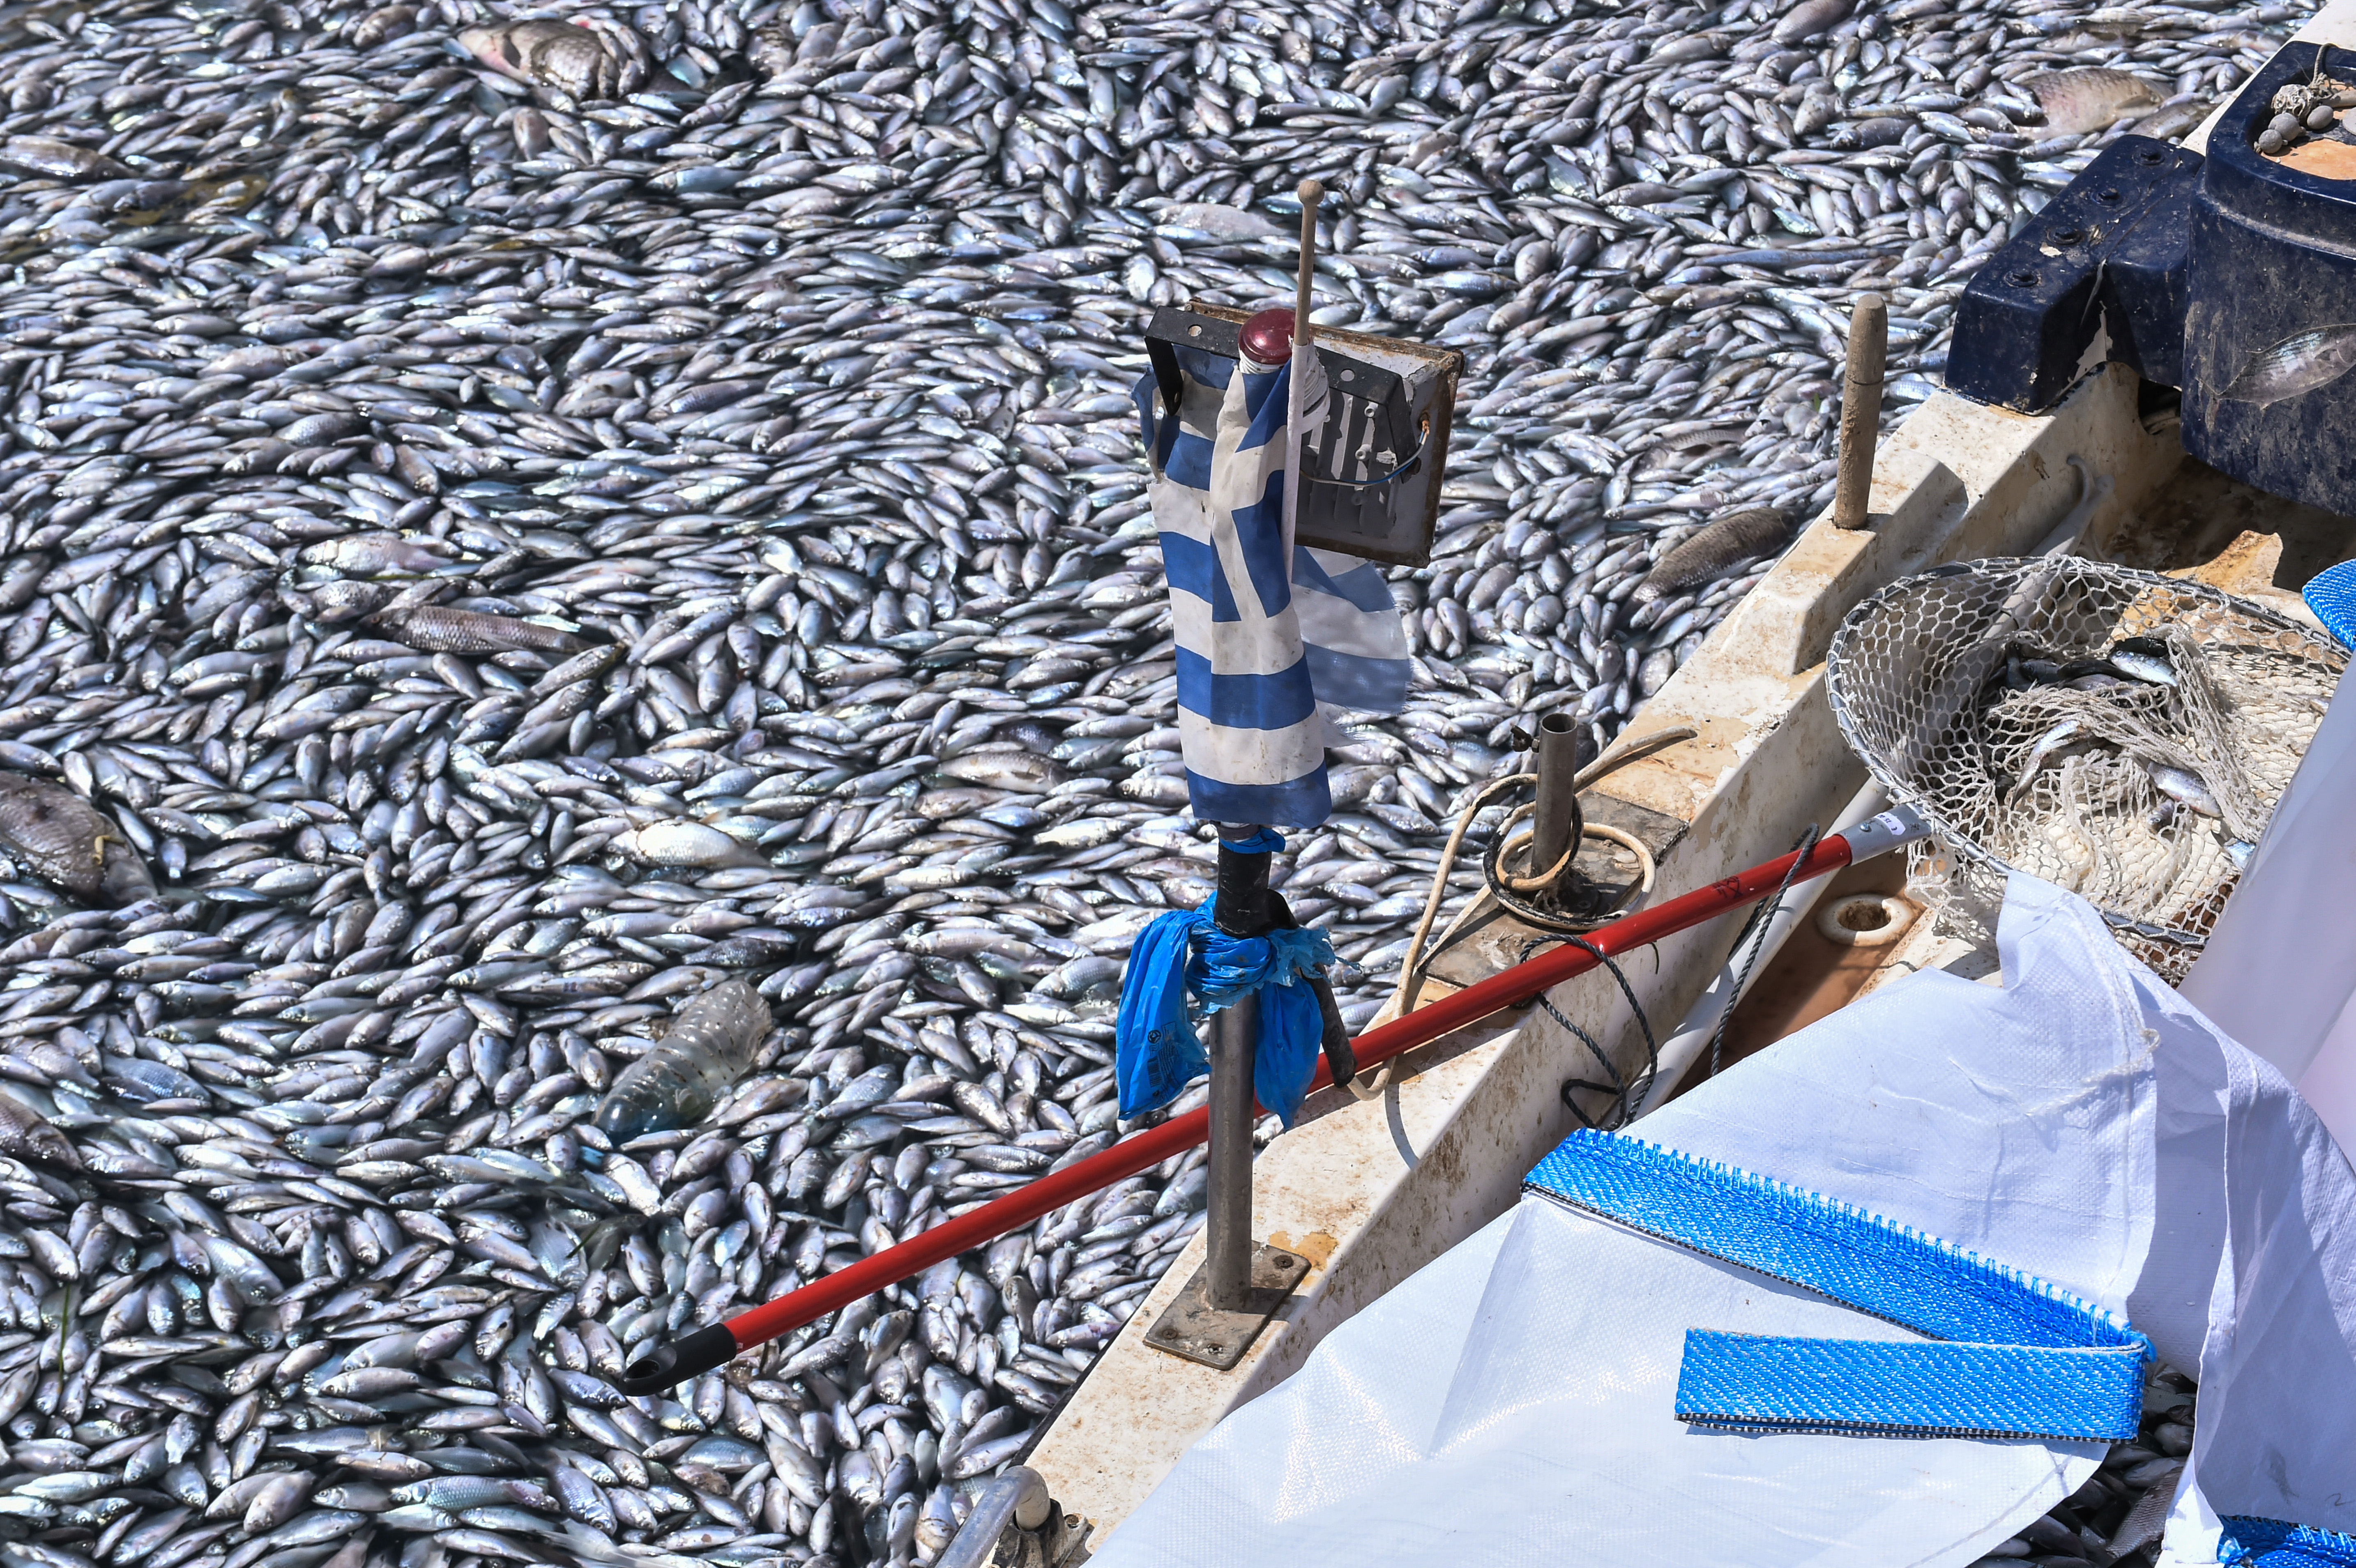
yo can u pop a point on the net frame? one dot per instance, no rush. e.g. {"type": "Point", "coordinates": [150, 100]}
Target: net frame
{"type": "Point", "coordinates": [1916, 676]}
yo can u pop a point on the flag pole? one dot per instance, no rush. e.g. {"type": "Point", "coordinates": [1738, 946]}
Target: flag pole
{"type": "Point", "coordinates": [1339, 1060]}
{"type": "Point", "coordinates": [1312, 193]}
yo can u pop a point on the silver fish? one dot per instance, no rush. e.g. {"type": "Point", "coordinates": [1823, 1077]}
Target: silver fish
{"type": "Point", "coordinates": [2064, 733]}
{"type": "Point", "coordinates": [2296, 366]}
{"type": "Point", "coordinates": [2185, 788]}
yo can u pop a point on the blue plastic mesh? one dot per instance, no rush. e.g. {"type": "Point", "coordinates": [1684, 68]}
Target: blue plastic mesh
{"type": "Point", "coordinates": [2332, 596]}
{"type": "Point", "coordinates": [1758, 1383]}
{"type": "Point", "coordinates": [2270, 1544]}
{"type": "Point", "coordinates": [2024, 1359]}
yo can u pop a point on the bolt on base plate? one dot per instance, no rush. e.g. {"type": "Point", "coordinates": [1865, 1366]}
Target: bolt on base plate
{"type": "Point", "coordinates": [1191, 1327]}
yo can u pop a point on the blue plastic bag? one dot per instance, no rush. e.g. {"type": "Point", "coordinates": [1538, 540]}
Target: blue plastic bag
{"type": "Point", "coordinates": [1157, 1052]}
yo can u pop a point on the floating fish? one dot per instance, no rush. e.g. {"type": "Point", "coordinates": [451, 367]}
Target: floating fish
{"type": "Point", "coordinates": [1712, 554]}
{"type": "Point", "coordinates": [2089, 98]}
{"type": "Point", "coordinates": [782, 358]}
{"type": "Point", "coordinates": [548, 54]}
{"type": "Point", "coordinates": [65, 840]}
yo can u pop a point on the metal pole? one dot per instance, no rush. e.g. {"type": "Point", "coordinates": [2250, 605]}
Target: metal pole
{"type": "Point", "coordinates": [1242, 911]}
{"type": "Point", "coordinates": [1235, 1037]}
{"type": "Point", "coordinates": [1868, 350]}
{"type": "Point", "coordinates": [1562, 740]}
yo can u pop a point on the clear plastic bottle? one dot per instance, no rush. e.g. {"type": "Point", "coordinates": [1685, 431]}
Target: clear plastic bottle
{"type": "Point", "coordinates": [709, 1047]}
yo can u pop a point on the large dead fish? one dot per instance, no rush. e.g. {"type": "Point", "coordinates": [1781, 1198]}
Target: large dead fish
{"type": "Point", "coordinates": [63, 839]}
{"type": "Point", "coordinates": [434, 629]}
{"type": "Point", "coordinates": [1716, 550]}
{"type": "Point", "coordinates": [2091, 98]}
{"type": "Point", "coordinates": [26, 1135]}
{"type": "Point", "coordinates": [549, 54]}
{"type": "Point", "coordinates": [54, 159]}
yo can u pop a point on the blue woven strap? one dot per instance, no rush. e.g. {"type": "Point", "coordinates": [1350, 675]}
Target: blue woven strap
{"type": "Point", "coordinates": [2270, 1544]}
{"type": "Point", "coordinates": [2021, 1358]}
{"type": "Point", "coordinates": [2332, 596]}
{"type": "Point", "coordinates": [1756, 1383]}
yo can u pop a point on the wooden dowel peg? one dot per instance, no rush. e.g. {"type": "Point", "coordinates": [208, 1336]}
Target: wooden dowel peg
{"type": "Point", "coordinates": [1869, 353]}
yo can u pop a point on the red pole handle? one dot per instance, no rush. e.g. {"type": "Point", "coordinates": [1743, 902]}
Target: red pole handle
{"type": "Point", "coordinates": [707, 1349]}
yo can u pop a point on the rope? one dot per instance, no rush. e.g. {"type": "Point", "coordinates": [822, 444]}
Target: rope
{"type": "Point", "coordinates": [1412, 964]}
{"type": "Point", "coordinates": [1760, 914]}
{"type": "Point", "coordinates": [1502, 887]}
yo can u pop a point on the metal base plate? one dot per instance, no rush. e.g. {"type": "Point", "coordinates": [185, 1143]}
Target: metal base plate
{"type": "Point", "coordinates": [1192, 1328]}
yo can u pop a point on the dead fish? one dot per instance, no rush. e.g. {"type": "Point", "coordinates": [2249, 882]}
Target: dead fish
{"type": "Point", "coordinates": [368, 554]}
{"type": "Point", "coordinates": [437, 628]}
{"type": "Point", "coordinates": [2051, 741]}
{"type": "Point", "coordinates": [66, 841]}
{"type": "Point", "coordinates": [1716, 550]}
{"type": "Point", "coordinates": [1018, 770]}
{"type": "Point", "coordinates": [1811, 18]}
{"type": "Point", "coordinates": [687, 843]}
{"type": "Point", "coordinates": [383, 23]}
{"type": "Point", "coordinates": [2089, 98]}
{"type": "Point", "coordinates": [708, 1046]}
{"type": "Point", "coordinates": [548, 54]}
{"type": "Point", "coordinates": [2143, 658]}
{"type": "Point", "coordinates": [2184, 788]}
{"type": "Point", "coordinates": [53, 159]}
{"type": "Point", "coordinates": [2296, 366]}
{"type": "Point", "coordinates": [24, 1134]}
{"type": "Point", "coordinates": [332, 602]}
{"type": "Point", "coordinates": [1216, 218]}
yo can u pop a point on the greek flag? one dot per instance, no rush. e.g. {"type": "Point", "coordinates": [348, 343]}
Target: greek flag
{"type": "Point", "coordinates": [1266, 633]}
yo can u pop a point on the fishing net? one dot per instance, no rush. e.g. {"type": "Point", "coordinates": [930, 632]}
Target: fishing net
{"type": "Point", "coordinates": [2119, 733]}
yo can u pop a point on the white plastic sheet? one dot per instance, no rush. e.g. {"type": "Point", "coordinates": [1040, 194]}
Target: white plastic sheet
{"type": "Point", "coordinates": [2279, 973]}
{"type": "Point", "coordinates": [1512, 1402]}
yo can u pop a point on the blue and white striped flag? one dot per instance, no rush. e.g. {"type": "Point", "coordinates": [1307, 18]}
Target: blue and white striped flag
{"type": "Point", "coordinates": [1266, 631]}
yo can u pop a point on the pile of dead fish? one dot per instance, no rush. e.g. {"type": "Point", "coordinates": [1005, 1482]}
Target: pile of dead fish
{"type": "Point", "coordinates": [520, 517]}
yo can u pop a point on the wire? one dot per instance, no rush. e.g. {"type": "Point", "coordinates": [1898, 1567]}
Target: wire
{"type": "Point", "coordinates": [1625, 1095]}
{"type": "Point", "coordinates": [1760, 913]}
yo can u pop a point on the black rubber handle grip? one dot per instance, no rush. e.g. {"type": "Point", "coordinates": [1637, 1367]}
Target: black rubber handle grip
{"type": "Point", "coordinates": [668, 1365]}
{"type": "Point", "coordinates": [1339, 1057]}
{"type": "Point", "coordinates": [1243, 892]}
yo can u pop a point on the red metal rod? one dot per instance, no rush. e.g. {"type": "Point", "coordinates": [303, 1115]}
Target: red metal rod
{"type": "Point", "coordinates": [1508, 988]}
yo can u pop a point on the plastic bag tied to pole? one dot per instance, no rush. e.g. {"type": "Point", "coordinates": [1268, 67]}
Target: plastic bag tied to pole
{"type": "Point", "coordinates": [1156, 1050]}
{"type": "Point", "coordinates": [2011, 1355]}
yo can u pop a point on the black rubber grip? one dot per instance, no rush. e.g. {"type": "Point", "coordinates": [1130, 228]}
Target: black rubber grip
{"type": "Point", "coordinates": [1243, 893]}
{"type": "Point", "coordinates": [668, 1365]}
{"type": "Point", "coordinates": [1339, 1057]}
